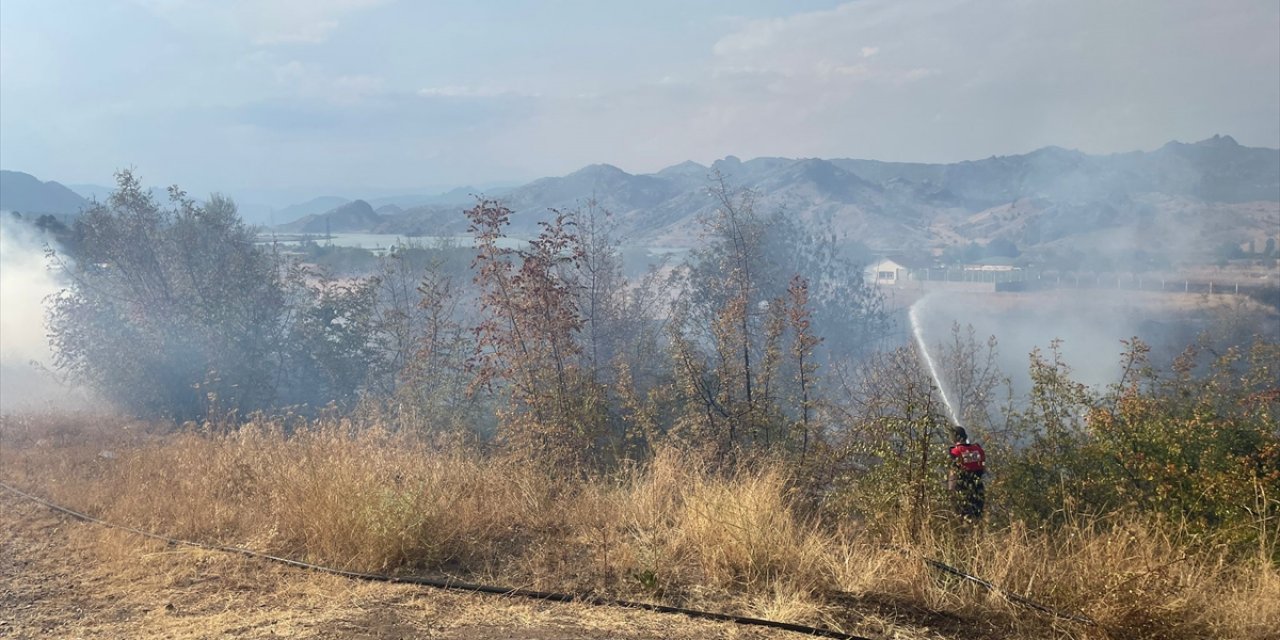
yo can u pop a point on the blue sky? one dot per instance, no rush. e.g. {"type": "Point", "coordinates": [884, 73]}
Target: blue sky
{"type": "Point", "coordinates": [327, 95]}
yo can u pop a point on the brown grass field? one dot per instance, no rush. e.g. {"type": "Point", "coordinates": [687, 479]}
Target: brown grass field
{"type": "Point", "coordinates": [672, 532]}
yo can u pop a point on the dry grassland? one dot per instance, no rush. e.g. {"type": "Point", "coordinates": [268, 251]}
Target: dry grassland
{"type": "Point", "coordinates": [672, 531]}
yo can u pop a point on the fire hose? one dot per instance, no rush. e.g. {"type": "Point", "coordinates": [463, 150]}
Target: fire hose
{"type": "Point", "coordinates": [548, 596]}
{"type": "Point", "coordinates": [454, 585]}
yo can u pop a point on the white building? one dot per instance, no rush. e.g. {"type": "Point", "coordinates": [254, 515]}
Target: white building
{"type": "Point", "coordinates": [892, 270]}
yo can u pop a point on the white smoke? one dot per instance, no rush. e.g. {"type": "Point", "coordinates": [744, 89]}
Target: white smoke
{"type": "Point", "coordinates": [1089, 324]}
{"type": "Point", "coordinates": [26, 279]}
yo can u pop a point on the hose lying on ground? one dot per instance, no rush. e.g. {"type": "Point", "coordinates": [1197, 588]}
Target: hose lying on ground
{"type": "Point", "coordinates": [563, 597]}
{"type": "Point", "coordinates": [1012, 597]}
{"type": "Point", "coordinates": [455, 585]}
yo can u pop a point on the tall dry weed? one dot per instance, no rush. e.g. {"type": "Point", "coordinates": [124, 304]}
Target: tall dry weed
{"type": "Point", "coordinates": [675, 529]}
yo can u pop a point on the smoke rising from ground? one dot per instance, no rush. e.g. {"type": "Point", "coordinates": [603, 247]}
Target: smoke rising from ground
{"type": "Point", "coordinates": [1090, 325]}
{"type": "Point", "coordinates": [26, 380]}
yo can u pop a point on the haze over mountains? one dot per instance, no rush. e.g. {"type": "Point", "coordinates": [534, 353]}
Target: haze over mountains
{"type": "Point", "coordinates": [25, 193]}
{"type": "Point", "coordinates": [1180, 197]}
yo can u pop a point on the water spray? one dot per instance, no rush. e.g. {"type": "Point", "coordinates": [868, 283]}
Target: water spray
{"type": "Point", "coordinates": [914, 315]}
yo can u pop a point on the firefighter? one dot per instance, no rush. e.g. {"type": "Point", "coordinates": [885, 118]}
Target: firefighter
{"type": "Point", "coordinates": [966, 476]}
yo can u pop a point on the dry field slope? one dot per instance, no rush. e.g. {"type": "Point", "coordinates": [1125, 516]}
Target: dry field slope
{"type": "Point", "coordinates": [367, 499]}
{"type": "Point", "coordinates": [61, 578]}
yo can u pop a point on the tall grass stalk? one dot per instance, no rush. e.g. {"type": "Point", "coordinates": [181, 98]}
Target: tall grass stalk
{"type": "Point", "coordinates": [675, 529]}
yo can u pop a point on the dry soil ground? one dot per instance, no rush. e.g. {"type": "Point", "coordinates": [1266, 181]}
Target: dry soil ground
{"type": "Point", "coordinates": [62, 578]}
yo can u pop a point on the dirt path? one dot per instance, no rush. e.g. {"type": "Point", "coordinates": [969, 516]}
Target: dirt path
{"type": "Point", "coordinates": [61, 578]}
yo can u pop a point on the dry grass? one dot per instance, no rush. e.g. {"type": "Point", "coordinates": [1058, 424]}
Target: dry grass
{"type": "Point", "coordinates": [65, 580]}
{"type": "Point", "coordinates": [358, 497]}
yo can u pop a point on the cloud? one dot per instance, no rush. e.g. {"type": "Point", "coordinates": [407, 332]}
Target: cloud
{"type": "Point", "coordinates": [467, 91]}
{"type": "Point", "coordinates": [843, 38]}
{"type": "Point", "coordinates": [934, 81]}
{"type": "Point", "coordinates": [297, 80]}
{"type": "Point", "coordinates": [955, 79]}
{"type": "Point", "coordinates": [262, 22]}
{"type": "Point", "coordinates": [476, 91]}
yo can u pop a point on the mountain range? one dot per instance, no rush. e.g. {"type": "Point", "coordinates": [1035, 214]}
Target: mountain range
{"type": "Point", "coordinates": [1182, 197]}
{"type": "Point", "coordinates": [26, 194]}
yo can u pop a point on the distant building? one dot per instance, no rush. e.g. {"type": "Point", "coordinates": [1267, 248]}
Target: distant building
{"type": "Point", "coordinates": [893, 270]}
{"type": "Point", "coordinates": [992, 264]}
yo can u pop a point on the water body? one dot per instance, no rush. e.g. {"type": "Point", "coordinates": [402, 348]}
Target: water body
{"type": "Point", "coordinates": [380, 243]}
{"type": "Point", "coordinates": [636, 259]}
{"type": "Point", "coordinates": [375, 241]}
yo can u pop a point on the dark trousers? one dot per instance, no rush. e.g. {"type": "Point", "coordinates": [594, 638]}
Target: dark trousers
{"type": "Point", "coordinates": [971, 496]}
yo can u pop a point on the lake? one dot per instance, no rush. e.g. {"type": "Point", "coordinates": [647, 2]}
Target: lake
{"type": "Point", "coordinates": [380, 243]}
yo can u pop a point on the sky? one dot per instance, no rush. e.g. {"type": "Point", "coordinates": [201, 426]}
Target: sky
{"type": "Point", "coordinates": [286, 96]}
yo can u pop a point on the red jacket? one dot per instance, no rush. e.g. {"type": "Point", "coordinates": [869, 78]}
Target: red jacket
{"type": "Point", "coordinates": [970, 457]}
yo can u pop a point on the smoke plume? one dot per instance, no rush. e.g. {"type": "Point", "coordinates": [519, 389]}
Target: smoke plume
{"type": "Point", "coordinates": [26, 380]}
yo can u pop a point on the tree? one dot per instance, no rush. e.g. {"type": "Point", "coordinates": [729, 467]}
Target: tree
{"type": "Point", "coordinates": [1228, 251]}
{"type": "Point", "coordinates": [717, 332]}
{"type": "Point", "coordinates": [800, 317]}
{"type": "Point", "coordinates": [1001, 248]}
{"type": "Point", "coordinates": [732, 325]}
{"type": "Point", "coordinates": [601, 288]}
{"type": "Point", "coordinates": [422, 341]}
{"type": "Point", "coordinates": [971, 374]}
{"type": "Point", "coordinates": [1050, 474]}
{"type": "Point", "coordinates": [621, 355]}
{"type": "Point", "coordinates": [330, 351]}
{"type": "Point", "coordinates": [170, 311]}
{"type": "Point", "coordinates": [891, 448]}
{"type": "Point", "coordinates": [527, 345]}
{"type": "Point", "coordinates": [1195, 443]}
{"type": "Point", "coordinates": [847, 311]}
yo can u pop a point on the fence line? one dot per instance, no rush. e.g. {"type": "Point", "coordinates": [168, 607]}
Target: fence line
{"type": "Point", "coordinates": [1019, 280]}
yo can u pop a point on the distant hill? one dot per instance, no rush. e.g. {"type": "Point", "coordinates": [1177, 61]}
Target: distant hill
{"type": "Point", "coordinates": [461, 195]}
{"type": "Point", "coordinates": [419, 206]}
{"type": "Point", "coordinates": [1182, 197]}
{"type": "Point", "coordinates": [356, 215]}
{"type": "Point", "coordinates": [100, 193]}
{"type": "Point", "coordinates": [1215, 170]}
{"type": "Point", "coordinates": [91, 191]}
{"type": "Point", "coordinates": [314, 206]}
{"type": "Point", "coordinates": [25, 193]}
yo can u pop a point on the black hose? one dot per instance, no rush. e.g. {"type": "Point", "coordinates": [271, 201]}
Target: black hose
{"type": "Point", "coordinates": [1013, 597]}
{"type": "Point", "coordinates": [456, 585]}
{"type": "Point", "coordinates": [1005, 593]}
